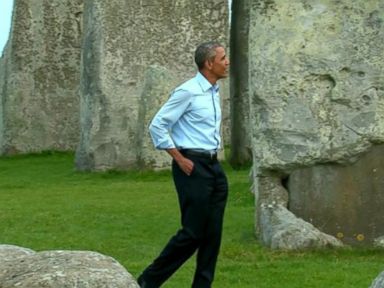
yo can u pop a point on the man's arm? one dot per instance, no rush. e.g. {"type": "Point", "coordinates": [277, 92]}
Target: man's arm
{"type": "Point", "coordinates": [166, 117]}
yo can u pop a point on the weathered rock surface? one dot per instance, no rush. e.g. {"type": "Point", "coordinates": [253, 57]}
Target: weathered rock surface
{"type": "Point", "coordinates": [284, 231]}
{"type": "Point", "coordinates": [350, 195]}
{"type": "Point", "coordinates": [379, 281]}
{"type": "Point", "coordinates": [12, 252]}
{"type": "Point", "coordinates": [122, 39]}
{"type": "Point", "coordinates": [59, 269]}
{"type": "Point", "coordinates": [40, 70]}
{"type": "Point", "coordinates": [157, 81]}
{"type": "Point", "coordinates": [316, 85]}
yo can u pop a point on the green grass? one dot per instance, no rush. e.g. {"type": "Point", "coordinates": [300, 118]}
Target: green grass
{"type": "Point", "coordinates": [45, 204]}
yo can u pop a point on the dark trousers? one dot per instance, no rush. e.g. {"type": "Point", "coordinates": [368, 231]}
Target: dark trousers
{"type": "Point", "coordinates": [202, 199]}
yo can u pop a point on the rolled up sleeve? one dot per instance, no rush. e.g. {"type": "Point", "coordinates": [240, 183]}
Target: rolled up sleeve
{"type": "Point", "coordinates": [161, 125]}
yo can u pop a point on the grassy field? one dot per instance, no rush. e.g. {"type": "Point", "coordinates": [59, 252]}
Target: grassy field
{"type": "Point", "coordinates": [45, 204]}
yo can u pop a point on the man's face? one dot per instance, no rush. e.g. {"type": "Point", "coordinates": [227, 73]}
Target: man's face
{"type": "Point", "coordinates": [220, 64]}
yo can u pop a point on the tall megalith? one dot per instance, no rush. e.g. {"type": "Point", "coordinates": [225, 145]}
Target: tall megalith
{"type": "Point", "coordinates": [133, 52]}
{"type": "Point", "coordinates": [40, 77]}
{"type": "Point", "coordinates": [241, 147]}
{"type": "Point", "coordinates": [317, 95]}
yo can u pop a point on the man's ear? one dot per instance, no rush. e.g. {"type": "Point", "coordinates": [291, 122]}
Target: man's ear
{"type": "Point", "coordinates": [208, 64]}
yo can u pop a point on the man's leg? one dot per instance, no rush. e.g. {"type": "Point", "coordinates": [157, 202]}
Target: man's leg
{"type": "Point", "coordinates": [194, 193]}
{"type": "Point", "coordinates": [210, 246]}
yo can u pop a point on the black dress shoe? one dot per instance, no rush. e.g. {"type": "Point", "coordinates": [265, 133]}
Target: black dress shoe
{"type": "Point", "coordinates": [142, 283]}
{"type": "Point", "coordinates": [145, 283]}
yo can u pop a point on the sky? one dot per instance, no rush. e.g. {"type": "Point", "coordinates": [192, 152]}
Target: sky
{"type": "Point", "coordinates": [5, 21]}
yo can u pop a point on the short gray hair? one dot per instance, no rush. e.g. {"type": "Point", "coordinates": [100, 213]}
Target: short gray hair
{"type": "Point", "coordinates": [206, 51]}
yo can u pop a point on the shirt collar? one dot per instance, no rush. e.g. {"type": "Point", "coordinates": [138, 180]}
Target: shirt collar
{"type": "Point", "coordinates": [204, 83]}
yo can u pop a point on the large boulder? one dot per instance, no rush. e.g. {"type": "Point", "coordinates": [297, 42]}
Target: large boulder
{"type": "Point", "coordinates": [122, 41]}
{"type": "Point", "coordinates": [378, 282]}
{"type": "Point", "coordinates": [59, 269]}
{"type": "Point", "coordinates": [284, 231]}
{"type": "Point", "coordinates": [39, 101]}
{"type": "Point", "coordinates": [316, 94]}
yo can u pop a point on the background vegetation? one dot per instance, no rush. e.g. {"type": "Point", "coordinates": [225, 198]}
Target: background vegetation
{"type": "Point", "coordinates": [45, 204]}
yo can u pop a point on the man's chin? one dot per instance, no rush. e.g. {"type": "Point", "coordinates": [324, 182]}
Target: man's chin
{"type": "Point", "coordinates": [224, 75]}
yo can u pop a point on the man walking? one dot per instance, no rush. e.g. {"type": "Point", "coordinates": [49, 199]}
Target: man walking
{"type": "Point", "coordinates": [188, 128]}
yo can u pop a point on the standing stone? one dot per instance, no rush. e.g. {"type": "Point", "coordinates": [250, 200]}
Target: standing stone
{"type": "Point", "coordinates": [316, 91]}
{"type": "Point", "coordinates": [122, 39]}
{"type": "Point", "coordinates": [40, 77]}
{"type": "Point", "coordinates": [239, 92]}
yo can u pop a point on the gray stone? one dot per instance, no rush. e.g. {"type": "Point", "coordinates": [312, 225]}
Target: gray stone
{"type": "Point", "coordinates": [40, 77]}
{"type": "Point", "coordinates": [12, 252]}
{"type": "Point", "coordinates": [59, 269]}
{"type": "Point", "coordinates": [122, 39]}
{"type": "Point", "coordinates": [379, 281]}
{"type": "Point", "coordinates": [316, 83]}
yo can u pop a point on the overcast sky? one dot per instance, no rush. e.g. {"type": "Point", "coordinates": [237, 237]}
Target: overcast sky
{"type": "Point", "coordinates": [5, 21]}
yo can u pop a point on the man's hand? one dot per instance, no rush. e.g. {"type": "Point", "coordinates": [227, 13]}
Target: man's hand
{"type": "Point", "coordinates": [184, 163]}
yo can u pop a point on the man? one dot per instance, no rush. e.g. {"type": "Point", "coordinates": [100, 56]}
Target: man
{"type": "Point", "coordinates": [188, 128]}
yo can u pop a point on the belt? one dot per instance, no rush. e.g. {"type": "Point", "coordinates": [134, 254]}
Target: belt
{"type": "Point", "coordinates": [212, 155]}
